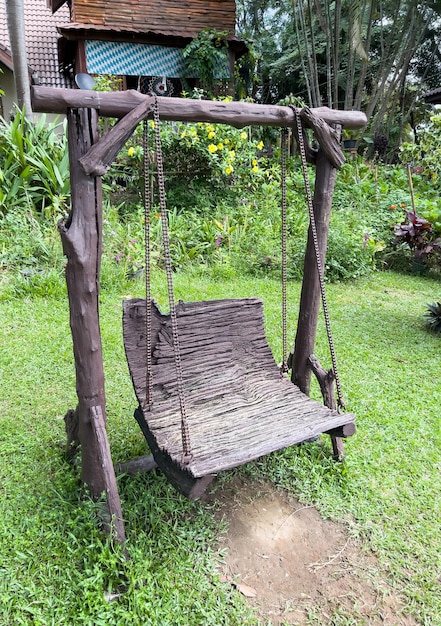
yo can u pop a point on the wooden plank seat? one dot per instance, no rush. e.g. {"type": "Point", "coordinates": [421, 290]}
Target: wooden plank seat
{"type": "Point", "coordinates": [239, 406]}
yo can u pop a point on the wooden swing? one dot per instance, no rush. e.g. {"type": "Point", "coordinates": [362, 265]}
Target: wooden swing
{"type": "Point", "coordinates": [211, 396]}
{"type": "Point", "coordinates": [81, 233]}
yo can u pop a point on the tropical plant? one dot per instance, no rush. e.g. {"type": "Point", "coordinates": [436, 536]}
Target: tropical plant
{"type": "Point", "coordinates": [417, 233]}
{"type": "Point", "coordinates": [426, 154]}
{"type": "Point", "coordinates": [433, 316]}
{"type": "Point", "coordinates": [34, 167]}
{"type": "Point", "coordinates": [206, 58]}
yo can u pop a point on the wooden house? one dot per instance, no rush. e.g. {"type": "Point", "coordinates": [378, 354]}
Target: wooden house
{"type": "Point", "coordinates": [41, 37]}
{"type": "Point", "coordinates": [142, 41]}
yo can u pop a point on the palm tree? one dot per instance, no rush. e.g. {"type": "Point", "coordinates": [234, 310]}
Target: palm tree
{"type": "Point", "coordinates": [16, 27]}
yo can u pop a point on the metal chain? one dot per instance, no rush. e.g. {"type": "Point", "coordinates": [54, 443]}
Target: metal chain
{"type": "Point", "coordinates": [186, 445]}
{"type": "Point", "coordinates": [284, 150]}
{"type": "Point", "coordinates": [148, 304]}
{"type": "Point", "coordinates": [340, 402]}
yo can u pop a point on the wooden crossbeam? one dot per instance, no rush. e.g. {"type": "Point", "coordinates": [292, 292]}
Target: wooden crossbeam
{"type": "Point", "coordinates": [238, 114]}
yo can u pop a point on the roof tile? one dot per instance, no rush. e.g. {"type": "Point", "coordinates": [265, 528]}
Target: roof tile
{"type": "Point", "coordinates": [41, 40]}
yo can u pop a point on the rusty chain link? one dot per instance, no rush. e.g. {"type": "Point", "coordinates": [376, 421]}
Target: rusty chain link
{"type": "Point", "coordinates": [185, 433]}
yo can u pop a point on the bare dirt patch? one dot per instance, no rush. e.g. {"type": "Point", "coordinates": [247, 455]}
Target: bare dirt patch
{"type": "Point", "coordinates": [303, 569]}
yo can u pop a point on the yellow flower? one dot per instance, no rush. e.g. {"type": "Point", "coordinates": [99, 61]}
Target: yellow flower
{"type": "Point", "coordinates": [228, 169]}
{"type": "Point", "coordinates": [183, 134]}
{"type": "Point", "coordinates": [255, 169]}
{"type": "Point", "coordinates": [220, 146]}
{"type": "Point", "coordinates": [260, 145]}
{"type": "Point", "coordinates": [212, 148]}
{"type": "Point", "coordinates": [254, 162]}
{"type": "Point", "coordinates": [193, 133]}
{"type": "Point", "coordinates": [131, 151]}
{"type": "Point", "coordinates": [226, 140]}
{"type": "Point", "coordinates": [211, 134]}
{"type": "Point", "coordinates": [243, 135]}
{"type": "Point", "coordinates": [232, 155]}
{"type": "Point", "coordinates": [152, 124]}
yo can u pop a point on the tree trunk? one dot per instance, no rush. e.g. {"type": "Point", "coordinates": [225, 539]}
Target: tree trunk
{"type": "Point", "coordinates": [16, 28]}
{"type": "Point", "coordinates": [81, 236]}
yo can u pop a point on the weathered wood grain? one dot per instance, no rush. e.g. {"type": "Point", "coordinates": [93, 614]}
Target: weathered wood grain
{"type": "Point", "coordinates": [186, 17]}
{"type": "Point", "coordinates": [81, 236]}
{"type": "Point", "coordinates": [238, 114]}
{"type": "Point", "coordinates": [139, 465]}
{"type": "Point", "coordinates": [239, 406]}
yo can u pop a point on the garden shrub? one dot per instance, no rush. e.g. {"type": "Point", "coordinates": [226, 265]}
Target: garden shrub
{"type": "Point", "coordinates": [34, 166]}
{"type": "Point", "coordinates": [206, 57]}
{"type": "Point", "coordinates": [426, 154]}
{"type": "Point", "coordinates": [433, 317]}
{"type": "Point", "coordinates": [223, 196]}
{"type": "Point", "coordinates": [34, 189]}
{"type": "Point", "coordinates": [424, 161]}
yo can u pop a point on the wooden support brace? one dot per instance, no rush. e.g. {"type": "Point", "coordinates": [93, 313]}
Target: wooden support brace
{"type": "Point", "coordinates": [99, 157]}
{"type": "Point", "coordinates": [310, 153]}
{"type": "Point", "coordinates": [327, 137]}
{"type": "Point", "coordinates": [326, 382]}
{"type": "Point", "coordinates": [115, 526]}
{"type": "Point", "coordinates": [139, 465]}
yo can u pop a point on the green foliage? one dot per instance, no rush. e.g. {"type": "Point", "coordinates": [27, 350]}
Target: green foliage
{"type": "Point", "coordinates": [433, 316]}
{"type": "Point", "coordinates": [206, 58]}
{"type": "Point", "coordinates": [426, 154]}
{"type": "Point", "coordinates": [306, 49]}
{"type": "Point", "coordinates": [223, 195]}
{"type": "Point", "coordinates": [417, 233]}
{"type": "Point", "coordinates": [34, 166]}
{"type": "Point", "coordinates": [34, 188]}
{"type": "Point", "coordinates": [107, 82]}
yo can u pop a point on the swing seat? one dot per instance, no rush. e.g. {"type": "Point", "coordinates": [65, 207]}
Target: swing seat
{"type": "Point", "coordinates": [239, 406]}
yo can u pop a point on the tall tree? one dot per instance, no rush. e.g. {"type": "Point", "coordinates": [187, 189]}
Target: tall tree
{"type": "Point", "coordinates": [16, 28]}
{"type": "Point", "coordinates": [346, 54]}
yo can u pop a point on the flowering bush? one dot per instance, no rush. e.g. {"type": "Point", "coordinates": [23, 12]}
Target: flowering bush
{"type": "Point", "coordinates": [202, 163]}
{"type": "Point", "coordinates": [210, 149]}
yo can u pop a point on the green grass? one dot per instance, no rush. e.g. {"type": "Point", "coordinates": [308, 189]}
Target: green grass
{"type": "Point", "coordinates": [56, 567]}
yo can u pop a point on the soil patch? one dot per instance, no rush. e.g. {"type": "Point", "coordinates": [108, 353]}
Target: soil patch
{"type": "Point", "coordinates": [299, 566]}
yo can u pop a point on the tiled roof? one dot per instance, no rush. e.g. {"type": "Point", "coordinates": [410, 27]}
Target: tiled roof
{"type": "Point", "coordinates": [433, 97]}
{"type": "Point", "coordinates": [41, 40]}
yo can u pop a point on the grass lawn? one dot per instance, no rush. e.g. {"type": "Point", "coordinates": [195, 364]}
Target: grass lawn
{"type": "Point", "coordinates": [57, 568]}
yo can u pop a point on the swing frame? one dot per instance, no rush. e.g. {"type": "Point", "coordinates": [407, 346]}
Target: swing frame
{"type": "Point", "coordinates": [81, 235]}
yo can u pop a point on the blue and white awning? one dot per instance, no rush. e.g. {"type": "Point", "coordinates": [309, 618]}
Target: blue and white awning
{"type": "Point", "coordinates": [117, 58]}
{"type": "Point", "coordinates": [133, 59]}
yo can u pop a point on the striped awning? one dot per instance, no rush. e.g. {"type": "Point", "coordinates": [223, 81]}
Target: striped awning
{"type": "Point", "coordinates": [133, 59]}
{"type": "Point", "coordinates": [137, 59]}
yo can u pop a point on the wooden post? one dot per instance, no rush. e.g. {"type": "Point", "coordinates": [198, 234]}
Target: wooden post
{"type": "Point", "coordinates": [81, 235]}
{"type": "Point", "coordinates": [310, 294]}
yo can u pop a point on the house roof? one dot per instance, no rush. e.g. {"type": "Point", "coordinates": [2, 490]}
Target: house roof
{"type": "Point", "coordinates": [41, 41]}
{"type": "Point", "coordinates": [433, 97]}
